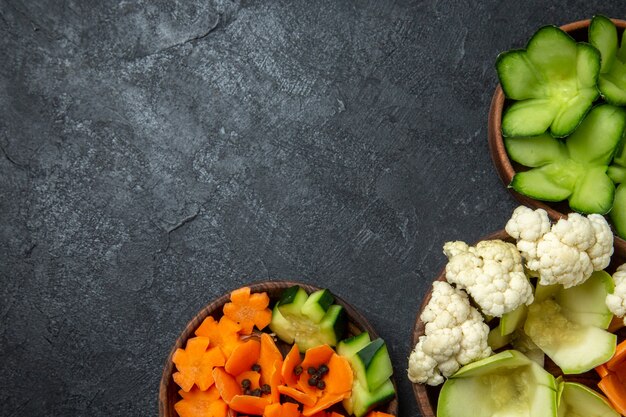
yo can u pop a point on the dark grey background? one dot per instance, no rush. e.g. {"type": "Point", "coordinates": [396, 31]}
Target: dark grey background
{"type": "Point", "coordinates": [156, 154]}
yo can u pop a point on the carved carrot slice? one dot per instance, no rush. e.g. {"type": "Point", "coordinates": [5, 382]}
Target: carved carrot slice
{"type": "Point", "coordinates": [196, 403]}
{"type": "Point", "coordinates": [275, 380]}
{"type": "Point", "coordinates": [248, 404]}
{"type": "Point", "coordinates": [339, 377]}
{"type": "Point", "coordinates": [268, 356]}
{"type": "Point", "coordinates": [282, 410]}
{"type": "Point", "coordinates": [301, 397]}
{"type": "Point", "coordinates": [224, 333]}
{"type": "Point", "coordinates": [324, 402]}
{"type": "Point", "coordinates": [289, 365]}
{"type": "Point", "coordinates": [379, 414]}
{"type": "Point", "coordinates": [252, 376]}
{"type": "Point", "coordinates": [243, 357]}
{"type": "Point", "coordinates": [248, 310]}
{"type": "Point", "coordinates": [195, 364]}
{"type": "Point", "coordinates": [226, 385]}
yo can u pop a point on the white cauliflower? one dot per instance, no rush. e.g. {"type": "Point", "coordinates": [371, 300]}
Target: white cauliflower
{"type": "Point", "coordinates": [566, 253]}
{"type": "Point", "coordinates": [455, 335]}
{"type": "Point", "coordinates": [616, 302]}
{"type": "Point", "coordinates": [491, 272]}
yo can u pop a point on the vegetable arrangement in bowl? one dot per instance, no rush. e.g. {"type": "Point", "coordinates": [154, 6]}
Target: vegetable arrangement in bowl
{"type": "Point", "coordinates": [560, 117]}
{"type": "Point", "coordinates": [275, 350]}
{"type": "Point", "coordinates": [525, 322]}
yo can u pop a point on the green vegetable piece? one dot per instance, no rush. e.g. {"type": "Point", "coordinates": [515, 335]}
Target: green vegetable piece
{"type": "Point", "coordinates": [617, 171]}
{"type": "Point", "coordinates": [575, 169]}
{"type": "Point", "coordinates": [578, 400]}
{"type": "Point", "coordinates": [618, 212]}
{"type": "Point", "coordinates": [553, 82]}
{"type": "Point", "coordinates": [612, 79]}
{"type": "Point", "coordinates": [505, 384]}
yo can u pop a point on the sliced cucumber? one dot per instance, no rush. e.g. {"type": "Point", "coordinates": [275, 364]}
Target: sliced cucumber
{"type": "Point", "coordinates": [511, 321]}
{"type": "Point", "coordinates": [618, 212]}
{"type": "Point", "coordinates": [573, 347]}
{"type": "Point", "coordinates": [594, 192]}
{"type": "Point", "coordinates": [553, 182]}
{"type": "Point", "coordinates": [496, 340]}
{"type": "Point", "coordinates": [363, 401]}
{"type": "Point", "coordinates": [372, 364]}
{"type": "Point", "coordinates": [612, 81]}
{"type": "Point", "coordinates": [349, 347]}
{"type": "Point", "coordinates": [529, 117]}
{"type": "Point", "coordinates": [603, 35]}
{"type": "Point", "coordinates": [317, 304]}
{"type": "Point", "coordinates": [617, 174]}
{"type": "Point", "coordinates": [584, 304]}
{"type": "Point", "coordinates": [535, 151]}
{"type": "Point", "coordinates": [292, 325]}
{"type": "Point", "coordinates": [578, 400]}
{"type": "Point", "coordinates": [505, 384]}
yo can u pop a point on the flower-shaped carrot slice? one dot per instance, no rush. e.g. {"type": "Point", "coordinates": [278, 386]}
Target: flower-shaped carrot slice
{"type": "Point", "coordinates": [195, 364]}
{"type": "Point", "coordinates": [282, 410]}
{"type": "Point", "coordinates": [224, 333]}
{"type": "Point", "coordinates": [324, 402]}
{"type": "Point", "coordinates": [269, 355]}
{"type": "Point", "coordinates": [196, 403]}
{"type": "Point", "coordinates": [248, 310]}
{"type": "Point", "coordinates": [243, 357]}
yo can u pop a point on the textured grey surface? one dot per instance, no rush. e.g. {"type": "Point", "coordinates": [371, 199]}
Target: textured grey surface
{"type": "Point", "coordinates": [155, 154]}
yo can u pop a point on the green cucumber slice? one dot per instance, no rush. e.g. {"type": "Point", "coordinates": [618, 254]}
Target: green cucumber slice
{"type": "Point", "coordinates": [621, 52]}
{"type": "Point", "coordinates": [291, 302]}
{"type": "Point", "coordinates": [349, 347]}
{"type": "Point", "coordinates": [511, 321]}
{"type": "Point", "coordinates": [594, 192]}
{"type": "Point", "coordinates": [553, 51]}
{"type": "Point", "coordinates": [596, 138]}
{"type": "Point", "coordinates": [317, 304]}
{"type": "Point", "coordinates": [603, 35]}
{"type": "Point", "coordinates": [584, 304]}
{"type": "Point", "coordinates": [617, 174]}
{"type": "Point", "coordinates": [578, 400]}
{"type": "Point", "coordinates": [618, 212]}
{"type": "Point", "coordinates": [372, 364]}
{"type": "Point", "coordinates": [529, 117]}
{"type": "Point", "coordinates": [553, 182]}
{"type": "Point", "coordinates": [496, 340]}
{"type": "Point", "coordinates": [282, 327]}
{"type": "Point", "coordinates": [574, 348]}
{"type": "Point", "coordinates": [505, 384]}
{"type": "Point", "coordinates": [535, 151]}
{"type": "Point", "coordinates": [363, 401]}
{"type": "Point", "coordinates": [518, 76]}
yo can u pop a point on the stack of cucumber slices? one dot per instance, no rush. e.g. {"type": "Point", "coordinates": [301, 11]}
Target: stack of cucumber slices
{"type": "Point", "coordinates": [566, 120]}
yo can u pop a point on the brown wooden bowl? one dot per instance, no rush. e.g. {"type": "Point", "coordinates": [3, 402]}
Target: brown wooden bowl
{"type": "Point", "coordinates": [168, 390]}
{"type": "Point", "coordinates": [504, 166]}
{"type": "Point", "coordinates": [427, 396]}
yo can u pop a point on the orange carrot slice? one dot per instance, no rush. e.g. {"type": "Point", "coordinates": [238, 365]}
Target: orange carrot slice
{"type": "Point", "coordinates": [248, 310]}
{"type": "Point", "coordinates": [243, 357]}
{"type": "Point", "coordinates": [339, 377]}
{"type": "Point", "coordinates": [282, 410]}
{"type": "Point", "coordinates": [252, 376]}
{"type": "Point", "coordinates": [618, 357]}
{"type": "Point", "coordinates": [335, 414]}
{"type": "Point", "coordinates": [197, 403]}
{"type": "Point", "coordinates": [317, 356]}
{"type": "Point", "coordinates": [323, 403]}
{"type": "Point", "coordinates": [195, 364]}
{"type": "Point", "coordinates": [291, 361]}
{"type": "Point", "coordinates": [224, 333]}
{"type": "Point", "coordinates": [379, 414]}
{"type": "Point", "coordinates": [249, 404]}
{"type": "Point", "coordinates": [297, 395]}
{"type": "Point", "coordinates": [615, 390]}
{"type": "Point", "coordinates": [602, 370]}
{"type": "Point", "coordinates": [268, 356]}
{"type": "Point", "coordinates": [275, 380]}
{"type": "Point", "coordinates": [226, 385]}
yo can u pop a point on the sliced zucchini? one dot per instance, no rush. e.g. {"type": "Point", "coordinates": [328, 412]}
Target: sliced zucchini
{"type": "Point", "coordinates": [612, 80]}
{"type": "Point", "coordinates": [578, 400]}
{"type": "Point", "coordinates": [585, 304]}
{"type": "Point", "coordinates": [505, 384]}
{"type": "Point", "coordinates": [573, 347]}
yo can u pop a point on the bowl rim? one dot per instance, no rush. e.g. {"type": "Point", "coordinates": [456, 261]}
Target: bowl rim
{"type": "Point", "coordinates": [354, 317]}
{"type": "Point", "coordinates": [421, 390]}
{"type": "Point", "coordinates": [498, 153]}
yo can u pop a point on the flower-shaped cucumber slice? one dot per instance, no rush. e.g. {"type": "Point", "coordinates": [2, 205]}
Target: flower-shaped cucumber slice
{"type": "Point", "coordinates": [612, 80]}
{"type": "Point", "coordinates": [553, 80]}
{"type": "Point", "coordinates": [574, 169]}
{"type": "Point", "coordinates": [618, 212]}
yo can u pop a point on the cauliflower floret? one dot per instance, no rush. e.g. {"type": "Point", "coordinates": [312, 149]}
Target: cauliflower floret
{"type": "Point", "coordinates": [616, 302]}
{"type": "Point", "coordinates": [455, 335]}
{"type": "Point", "coordinates": [568, 252]}
{"type": "Point", "coordinates": [491, 272]}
